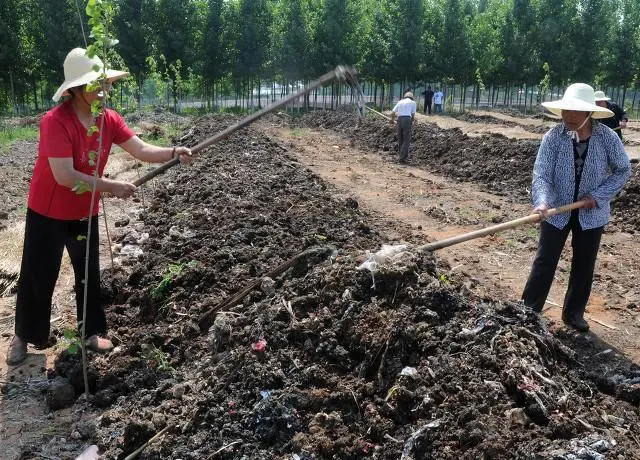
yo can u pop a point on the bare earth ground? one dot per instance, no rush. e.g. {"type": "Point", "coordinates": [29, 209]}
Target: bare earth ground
{"type": "Point", "coordinates": [413, 204]}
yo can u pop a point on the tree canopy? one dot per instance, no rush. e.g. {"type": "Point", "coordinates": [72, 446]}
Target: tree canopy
{"type": "Point", "coordinates": [498, 41]}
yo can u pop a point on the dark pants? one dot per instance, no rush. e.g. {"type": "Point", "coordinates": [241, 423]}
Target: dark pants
{"type": "Point", "coordinates": [44, 241]}
{"type": "Point", "coordinates": [427, 107]}
{"type": "Point", "coordinates": [438, 108]}
{"type": "Point", "coordinates": [585, 245]}
{"type": "Point", "coordinates": [404, 137]}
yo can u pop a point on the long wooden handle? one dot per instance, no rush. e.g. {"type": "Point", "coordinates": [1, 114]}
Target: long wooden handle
{"type": "Point", "coordinates": [340, 72]}
{"type": "Point", "coordinates": [531, 219]}
{"type": "Point", "coordinates": [377, 113]}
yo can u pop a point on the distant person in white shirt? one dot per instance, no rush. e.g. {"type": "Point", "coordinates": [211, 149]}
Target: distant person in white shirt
{"type": "Point", "coordinates": [438, 97]}
{"type": "Point", "coordinates": [405, 110]}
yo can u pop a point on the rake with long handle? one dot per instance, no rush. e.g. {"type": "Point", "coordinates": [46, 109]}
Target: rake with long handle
{"type": "Point", "coordinates": [531, 219]}
{"type": "Point", "coordinates": [342, 73]}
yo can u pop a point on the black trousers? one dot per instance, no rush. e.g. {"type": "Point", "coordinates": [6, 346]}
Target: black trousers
{"type": "Point", "coordinates": [585, 245]}
{"type": "Point", "coordinates": [404, 136]}
{"type": "Point", "coordinates": [44, 242]}
{"type": "Point", "coordinates": [427, 107]}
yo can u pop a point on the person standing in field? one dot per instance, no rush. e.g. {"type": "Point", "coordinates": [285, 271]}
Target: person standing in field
{"type": "Point", "coordinates": [578, 160]}
{"type": "Point", "coordinates": [619, 120]}
{"type": "Point", "coordinates": [405, 110]}
{"type": "Point", "coordinates": [428, 100]}
{"type": "Point", "coordinates": [59, 203]}
{"type": "Point", "coordinates": [438, 99]}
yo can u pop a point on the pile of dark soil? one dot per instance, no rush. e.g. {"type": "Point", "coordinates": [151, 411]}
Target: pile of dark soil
{"type": "Point", "coordinates": [159, 116]}
{"type": "Point", "coordinates": [504, 165]}
{"type": "Point", "coordinates": [326, 361]}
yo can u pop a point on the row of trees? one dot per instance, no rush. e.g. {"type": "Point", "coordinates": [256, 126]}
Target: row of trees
{"type": "Point", "coordinates": [234, 45]}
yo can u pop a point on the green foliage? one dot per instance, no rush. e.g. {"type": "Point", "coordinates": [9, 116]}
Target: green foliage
{"type": "Point", "coordinates": [215, 57]}
{"type": "Point", "coordinates": [376, 62]}
{"type": "Point", "coordinates": [135, 32]}
{"type": "Point", "coordinates": [72, 341]}
{"type": "Point", "coordinates": [80, 187]}
{"type": "Point", "coordinates": [10, 135]}
{"type": "Point", "coordinates": [545, 83]}
{"type": "Point", "coordinates": [159, 293]}
{"type": "Point", "coordinates": [335, 35]}
{"type": "Point", "coordinates": [454, 57]}
{"type": "Point", "coordinates": [290, 39]}
{"type": "Point", "coordinates": [479, 80]}
{"type": "Point", "coordinates": [407, 19]}
{"type": "Point", "coordinates": [156, 359]}
{"type": "Point", "coordinates": [175, 48]}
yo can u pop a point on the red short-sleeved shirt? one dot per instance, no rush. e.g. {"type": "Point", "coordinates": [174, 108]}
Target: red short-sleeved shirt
{"type": "Point", "coordinates": [63, 136]}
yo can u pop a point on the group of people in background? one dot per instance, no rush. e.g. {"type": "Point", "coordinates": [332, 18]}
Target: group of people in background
{"type": "Point", "coordinates": [580, 160]}
{"type": "Point", "coordinates": [430, 98]}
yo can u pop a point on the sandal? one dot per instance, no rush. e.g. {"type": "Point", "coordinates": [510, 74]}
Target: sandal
{"type": "Point", "coordinates": [17, 351]}
{"type": "Point", "coordinates": [99, 344]}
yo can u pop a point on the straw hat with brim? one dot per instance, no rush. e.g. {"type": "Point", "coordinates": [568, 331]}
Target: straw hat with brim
{"type": "Point", "coordinates": [78, 71]}
{"type": "Point", "coordinates": [408, 94]}
{"type": "Point", "coordinates": [579, 97]}
{"type": "Point", "coordinates": [600, 96]}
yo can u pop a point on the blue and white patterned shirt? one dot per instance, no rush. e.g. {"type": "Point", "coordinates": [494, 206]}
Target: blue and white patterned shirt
{"type": "Point", "coordinates": [605, 171]}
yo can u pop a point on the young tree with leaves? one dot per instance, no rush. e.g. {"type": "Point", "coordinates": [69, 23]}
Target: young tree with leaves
{"type": "Point", "coordinates": [75, 140]}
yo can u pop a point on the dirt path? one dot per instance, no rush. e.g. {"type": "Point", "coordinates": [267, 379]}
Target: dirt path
{"type": "Point", "coordinates": [436, 208]}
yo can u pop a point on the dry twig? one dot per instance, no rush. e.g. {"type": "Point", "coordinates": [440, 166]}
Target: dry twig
{"type": "Point", "coordinates": [136, 452]}
{"type": "Point", "coordinates": [223, 448]}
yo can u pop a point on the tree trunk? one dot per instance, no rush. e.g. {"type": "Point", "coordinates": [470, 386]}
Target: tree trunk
{"type": "Point", "coordinates": [464, 97]}
{"type": "Point", "coordinates": [13, 94]}
{"type": "Point", "coordinates": [375, 94]}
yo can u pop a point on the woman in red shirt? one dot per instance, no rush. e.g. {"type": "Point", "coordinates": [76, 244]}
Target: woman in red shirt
{"type": "Point", "coordinates": [57, 214]}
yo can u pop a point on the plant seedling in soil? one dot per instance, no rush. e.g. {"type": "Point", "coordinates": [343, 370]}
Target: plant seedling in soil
{"type": "Point", "coordinates": [159, 293]}
{"type": "Point", "coordinates": [72, 341]}
{"type": "Point", "coordinates": [156, 359]}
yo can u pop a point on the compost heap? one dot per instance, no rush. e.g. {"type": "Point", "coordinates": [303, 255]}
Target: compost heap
{"type": "Point", "coordinates": [502, 164]}
{"type": "Point", "coordinates": [396, 359]}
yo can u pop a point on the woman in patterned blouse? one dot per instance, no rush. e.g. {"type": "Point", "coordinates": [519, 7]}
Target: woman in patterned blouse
{"type": "Point", "coordinates": [579, 159]}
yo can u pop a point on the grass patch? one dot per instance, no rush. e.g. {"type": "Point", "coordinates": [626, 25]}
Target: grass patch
{"type": "Point", "coordinates": [10, 135]}
{"type": "Point", "coordinates": [171, 132]}
{"type": "Point", "coordinates": [299, 132]}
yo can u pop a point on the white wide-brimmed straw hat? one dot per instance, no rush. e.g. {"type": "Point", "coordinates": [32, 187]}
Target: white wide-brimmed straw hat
{"type": "Point", "coordinates": [579, 97]}
{"type": "Point", "coordinates": [600, 96]}
{"type": "Point", "coordinates": [78, 71]}
{"type": "Point", "coordinates": [408, 94]}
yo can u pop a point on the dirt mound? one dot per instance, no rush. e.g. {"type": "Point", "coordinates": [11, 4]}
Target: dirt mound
{"type": "Point", "coordinates": [504, 165]}
{"type": "Point", "coordinates": [473, 118]}
{"type": "Point", "coordinates": [326, 360]}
